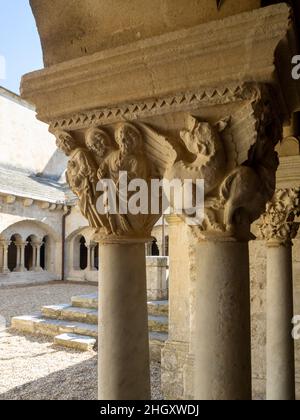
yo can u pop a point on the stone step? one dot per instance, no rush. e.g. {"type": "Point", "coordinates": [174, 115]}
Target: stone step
{"type": "Point", "coordinates": [71, 333]}
{"type": "Point", "coordinates": [159, 307]}
{"type": "Point", "coordinates": [158, 323]}
{"type": "Point", "coordinates": [75, 341]}
{"type": "Point", "coordinates": [90, 316]}
{"type": "Point", "coordinates": [86, 301]}
{"type": "Point", "coordinates": [71, 313]}
{"type": "Point", "coordinates": [51, 327]}
{"type": "Point", "coordinates": [37, 324]}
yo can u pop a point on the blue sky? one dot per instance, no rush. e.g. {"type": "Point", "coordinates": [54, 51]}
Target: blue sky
{"type": "Point", "coordinates": [20, 48]}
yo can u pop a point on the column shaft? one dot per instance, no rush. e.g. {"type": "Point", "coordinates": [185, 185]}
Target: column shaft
{"type": "Point", "coordinates": [22, 256]}
{"type": "Point", "coordinates": [223, 338]}
{"type": "Point", "coordinates": [4, 250]}
{"type": "Point", "coordinates": [37, 257]}
{"type": "Point", "coordinates": [280, 344]}
{"type": "Point", "coordinates": [123, 323]}
{"type": "Point", "coordinates": [89, 251]}
{"type": "Point", "coordinates": [5, 260]}
{"type": "Point", "coordinates": [93, 268]}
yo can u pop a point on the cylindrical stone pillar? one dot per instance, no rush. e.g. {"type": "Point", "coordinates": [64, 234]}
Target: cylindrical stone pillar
{"type": "Point", "coordinates": [5, 269]}
{"type": "Point", "coordinates": [22, 257]}
{"type": "Point", "coordinates": [89, 264]}
{"type": "Point", "coordinates": [92, 266]}
{"type": "Point", "coordinates": [222, 333]}
{"type": "Point", "coordinates": [280, 344]}
{"type": "Point", "coordinates": [37, 257]}
{"type": "Point", "coordinates": [123, 322]}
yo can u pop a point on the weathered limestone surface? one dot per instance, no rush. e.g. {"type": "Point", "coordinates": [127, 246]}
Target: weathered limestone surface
{"type": "Point", "coordinates": [157, 287]}
{"type": "Point", "coordinates": [178, 62]}
{"type": "Point", "coordinates": [75, 29]}
{"type": "Point", "coordinates": [68, 323]}
{"type": "Point", "coordinates": [258, 308]}
{"type": "Point", "coordinates": [170, 110]}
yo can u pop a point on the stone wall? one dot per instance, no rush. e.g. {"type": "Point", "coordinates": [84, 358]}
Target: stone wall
{"type": "Point", "coordinates": [26, 143]}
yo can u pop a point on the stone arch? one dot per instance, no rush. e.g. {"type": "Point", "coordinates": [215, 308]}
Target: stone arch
{"type": "Point", "coordinates": [166, 253]}
{"type": "Point", "coordinates": [96, 262]}
{"type": "Point", "coordinates": [44, 256]}
{"type": "Point", "coordinates": [29, 227]}
{"type": "Point", "coordinates": [154, 248]}
{"type": "Point", "coordinates": [74, 248]}
{"type": "Point", "coordinates": [30, 231]}
{"type": "Point", "coordinates": [15, 239]}
{"type": "Point", "coordinates": [83, 253]}
{"type": "Point", "coordinates": [30, 252]}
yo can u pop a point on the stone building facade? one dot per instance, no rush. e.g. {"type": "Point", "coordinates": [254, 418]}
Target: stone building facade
{"type": "Point", "coordinates": [43, 235]}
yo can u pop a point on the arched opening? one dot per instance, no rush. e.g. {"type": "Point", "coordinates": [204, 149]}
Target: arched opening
{"type": "Point", "coordinates": [83, 253]}
{"type": "Point", "coordinates": [12, 253]}
{"type": "Point", "coordinates": [29, 255]}
{"type": "Point", "coordinates": [96, 258]}
{"type": "Point", "coordinates": [43, 261]}
{"type": "Point", "coordinates": [166, 246]}
{"type": "Point", "coordinates": [154, 249]}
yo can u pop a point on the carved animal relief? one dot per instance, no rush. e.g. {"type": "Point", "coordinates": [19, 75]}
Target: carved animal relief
{"type": "Point", "coordinates": [233, 155]}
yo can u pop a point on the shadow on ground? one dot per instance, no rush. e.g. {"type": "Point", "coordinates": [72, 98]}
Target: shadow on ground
{"type": "Point", "coordinates": [78, 382]}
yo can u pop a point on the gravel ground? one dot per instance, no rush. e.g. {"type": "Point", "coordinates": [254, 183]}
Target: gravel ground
{"type": "Point", "coordinates": [32, 368]}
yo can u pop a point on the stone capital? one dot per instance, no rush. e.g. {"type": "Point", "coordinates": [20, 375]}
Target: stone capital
{"type": "Point", "coordinates": [232, 150]}
{"type": "Point", "coordinates": [169, 110]}
{"type": "Point", "coordinates": [278, 225]}
{"type": "Point", "coordinates": [5, 243]}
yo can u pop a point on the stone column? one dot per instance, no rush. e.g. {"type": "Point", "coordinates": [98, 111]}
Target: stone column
{"type": "Point", "coordinates": [20, 257]}
{"type": "Point", "coordinates": [278, 228]}
{"type": "Point", "coordinates": [177, 374]}
{"type": "Point", "coordinates": [4, 263]}
{"type": "Point", "coordinates": [211, 125]}
{"type": "Point", "coordinates": [37, 257]}
{"type": "Point", "coordinates": [89, 263]}
{"type": "Point", "coordinates": [123, 332]}
{"type": "Point", "coordinates": [222, 334]}
{"type": "Point", "coordinates": [93, 268]}
{"type": "Point", "coordinates": [124, 372]}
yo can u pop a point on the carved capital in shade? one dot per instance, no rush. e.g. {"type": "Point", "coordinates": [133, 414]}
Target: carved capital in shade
{"type": "Point", "coordinates": [278, 224]}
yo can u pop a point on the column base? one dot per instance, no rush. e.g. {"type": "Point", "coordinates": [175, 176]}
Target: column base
{"type": "Point", "coordinates": [38, 270]}
{"type": "Point", "coordinates": [4, 271]}
{"type": "Point", "coordinates": [20, 270]}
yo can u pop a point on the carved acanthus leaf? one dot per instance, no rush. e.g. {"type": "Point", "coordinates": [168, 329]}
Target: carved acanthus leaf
{"type": "Point", "coordinates": [279, 223]}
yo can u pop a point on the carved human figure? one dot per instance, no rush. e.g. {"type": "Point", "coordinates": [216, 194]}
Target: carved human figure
{"type": "Point", "coordinates": [129, 157]}
{"type": "Point", "coordinates": [99, 143]}
{"type": "Point", "coordinates": [65, 142]}
{"type": "Point", "coordinates": [81, 175]}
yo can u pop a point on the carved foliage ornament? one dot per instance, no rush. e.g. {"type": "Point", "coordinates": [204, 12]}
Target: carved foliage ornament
{"type": "Point", "coordinates": [279, 223]}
